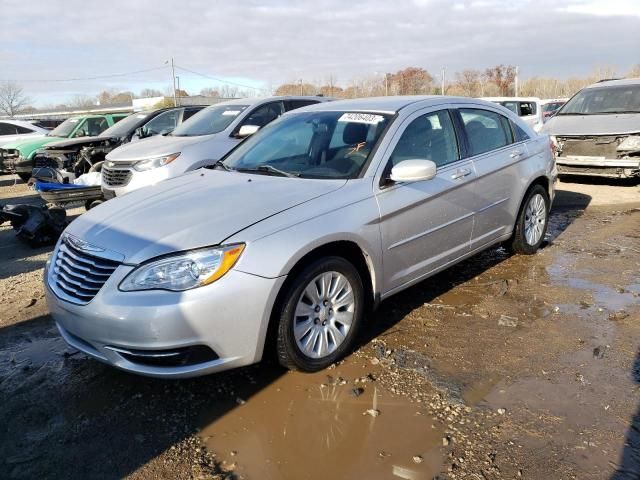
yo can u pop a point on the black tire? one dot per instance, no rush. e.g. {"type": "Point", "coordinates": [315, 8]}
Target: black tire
{"type": "Point", "coordinates": [518, 242]}
{"type": "Point", "coordinates": [289, 353]}
{"type": "Point", "coordinates": [24, 176]}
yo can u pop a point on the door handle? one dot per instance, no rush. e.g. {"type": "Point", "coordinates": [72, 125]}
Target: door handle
{"type": "Point", "coordinates": [461, 173]}
{"type": "Point", "coordinates": [515, 154]}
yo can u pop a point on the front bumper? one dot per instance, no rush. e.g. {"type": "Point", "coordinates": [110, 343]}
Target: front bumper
{"type": "Point", "coordinates": [15, 163]}
{"type": "Point", "coordinates": [218, 316]}
{"type": "Point", "coordinates": [599, 166]}
{"type": "Point", "coordinates": [138, 180]}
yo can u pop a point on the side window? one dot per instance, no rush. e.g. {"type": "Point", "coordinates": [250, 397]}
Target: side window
{"type": "Point", "coordinates": [188, 113]}
{"type": "Point", "coordinates": [485, 130]}
{"type": "Point", "coordinates": [7, 129]}
{"type": "Point", "coordinates": [527, 108]}
{"type": "Point", "coordinates": [21, 129]}
{"type": "Point", "coordinates": [117, 118]}
{"type": "Point", "coordinates": [293, 104]}
{"type": "Point", "coordinates": [264, 114]}
{"type": "Point", "coordinates": [429, 137]}
{"type": "Point", "coordinates": [92, 127]}
{"type": "Point", "coordinates": [519, 133]}
{"type": "Point", "coordinates": [163, 123]}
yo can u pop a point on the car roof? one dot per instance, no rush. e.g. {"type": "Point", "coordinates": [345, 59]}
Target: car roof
{"type": "Point", "coordinates": [511, 99]}
{"type": "Point", "coordinates": [259, 100]}
{"type": "Point", "coordinates": [20, 123]}
{"type": "Point", "coordinates": [391, 104]}
{"type": "Point", "coordinates": [615, 83]}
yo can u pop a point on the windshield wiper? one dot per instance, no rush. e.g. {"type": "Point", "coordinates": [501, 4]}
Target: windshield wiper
{"type": "Point", "coordinates": [220, 163]}
{"type": "Point", "coordinates": [269, 169]}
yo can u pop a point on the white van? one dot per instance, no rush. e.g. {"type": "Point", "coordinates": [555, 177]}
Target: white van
{"type": "Point", "coordinates": [527, 108]}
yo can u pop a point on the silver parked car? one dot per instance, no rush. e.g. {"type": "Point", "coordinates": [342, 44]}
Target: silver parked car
{"type": "Point", "coordinates": [597, 132]}
{"type": "Point", "coordinates": [326, 211]}
{"type": "Point", "coordinates": [204, 138]}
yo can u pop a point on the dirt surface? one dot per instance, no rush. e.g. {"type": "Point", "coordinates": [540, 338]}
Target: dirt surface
{"type": "Point", "coordinates": [501, 367]}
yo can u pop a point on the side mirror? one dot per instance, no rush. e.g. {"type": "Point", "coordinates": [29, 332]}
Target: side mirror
{"type": "Point", "coordinates": [247, 130]}
{"type": "Point", "coordinates": [413, 171]}
{"type": "Point", "coordinates": [140, 132]}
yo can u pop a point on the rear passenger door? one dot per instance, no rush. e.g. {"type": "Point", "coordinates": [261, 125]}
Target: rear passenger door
{"type": "Point", "coordinates": [490, 145]}
{"type": "Point", "coordinates": [425, 225]}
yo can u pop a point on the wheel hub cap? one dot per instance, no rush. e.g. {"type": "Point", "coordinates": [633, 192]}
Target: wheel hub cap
{"type": "Point", "coordinates": [323, 315]}
{"type": "Point", "coordinates": [535, 218]}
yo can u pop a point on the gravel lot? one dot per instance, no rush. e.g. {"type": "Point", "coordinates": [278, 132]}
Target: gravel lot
{"type": "Point", "coordinates": [501, 367]}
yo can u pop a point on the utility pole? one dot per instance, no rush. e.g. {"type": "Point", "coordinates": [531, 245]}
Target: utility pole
{"type": "Point", "coordinates": [173, 76]}
{"type": "Point", "coordinates": [386, 84]}
{"type": "Point", "coordinates": [443, 81]}
{"type": "Point", "coordinates": [516, 82]}
{"type": "Point", "coordinates": [301, 88]}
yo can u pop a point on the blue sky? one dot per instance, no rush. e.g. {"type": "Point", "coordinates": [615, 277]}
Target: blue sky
{"type": "Point", "coordinates": [263, 44]}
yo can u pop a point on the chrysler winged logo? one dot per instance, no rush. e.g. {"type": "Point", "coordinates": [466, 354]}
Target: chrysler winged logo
{"type": "Point", "coordinates": [82, 245]}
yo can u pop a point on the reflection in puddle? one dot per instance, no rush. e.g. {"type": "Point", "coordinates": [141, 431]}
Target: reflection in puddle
{"type": "Point", "coordinates": [307, 426]}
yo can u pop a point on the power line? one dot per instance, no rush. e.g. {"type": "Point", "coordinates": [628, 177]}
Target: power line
{"type": "Point", "coordinates": [97, 77]}
{"type": "Point", "coordinates": [221, 80]}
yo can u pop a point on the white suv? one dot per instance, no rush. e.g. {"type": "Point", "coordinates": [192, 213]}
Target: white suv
{"type": "Point", "coordinates": [204, 138]}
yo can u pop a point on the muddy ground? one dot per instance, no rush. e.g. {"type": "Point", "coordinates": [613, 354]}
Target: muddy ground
{"type": "Point", "coordinates": [502, 367]}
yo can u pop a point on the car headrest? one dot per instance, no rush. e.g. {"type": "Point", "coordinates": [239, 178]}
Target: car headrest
{"type": "Point", "coordinates": [355, 133]}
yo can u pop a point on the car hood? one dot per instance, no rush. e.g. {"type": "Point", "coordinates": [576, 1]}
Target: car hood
{"type": "Point", "coordinates": [610, 124]}
{"type": "Point", "coordinates": [156, 146]}
{"type": "Point", "coordinates": [197, 209]}
{"type": "Point", "coordinates": [25, 147]}
{"type": "Point", "coordinates": [77, 142]}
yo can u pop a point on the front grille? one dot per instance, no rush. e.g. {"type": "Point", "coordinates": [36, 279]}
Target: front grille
{"type": "Point", "coordinates": [78, 275]}
{"type": "Point", "coordinates": [601, 146]}
{"type": "Point", "coordinates": [115, 177]}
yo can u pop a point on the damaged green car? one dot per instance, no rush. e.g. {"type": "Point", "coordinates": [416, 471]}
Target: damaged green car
{"type": "Point", "coordinates": [18, 157]}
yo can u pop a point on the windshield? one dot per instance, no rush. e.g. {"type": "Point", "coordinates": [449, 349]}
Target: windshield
{"type": "Point", "coordinates": [594, 101]}
{"type": "Point", "coordinates": [210, 120]}
{"type": "Point", "coordinates": [125, 126]}
{"type": "Point", "coordinates": [65, 128]}
{"type": "Point", "coordinates": [311, 145]}
{"type": "Point", "coordinates": [551, 107]}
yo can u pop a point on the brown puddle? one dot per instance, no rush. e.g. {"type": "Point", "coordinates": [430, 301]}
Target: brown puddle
{"type": "Point", "coordinates": [311, 426]}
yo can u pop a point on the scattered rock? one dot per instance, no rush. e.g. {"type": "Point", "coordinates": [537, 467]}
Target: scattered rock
{"type": "Point", "coordinates": [356, 392]}
{"type": "Point", "coordinates": [372, 412]}
{"type": "Point", "coordinates": [506, 321]}
{"type": "Point", "coordinates": [418, 459]}
{"type": "Point", "coordinates": [240, 401]}
{"type": "Point", "coordinates": [619, 315]}
{"type": "Point", "coordinates": [598, 352]}
{"type": "Point", "coordinates": [502, 411]}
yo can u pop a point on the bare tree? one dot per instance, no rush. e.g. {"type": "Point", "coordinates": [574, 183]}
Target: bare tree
{"type": "Point", "coordinates": [110, 97]}
{"type": "Point", "coordinates": [468, 81]}
{"type": "Point", "coordinates": [81, 101]}
{"type": "Point", "coordinates": [502, 76]}
{"type": "Point", "coordinates": [150, 92]}
{"type": "Point", "coordinates": [210, 92]}
{"type": "Point", "coordinates": [410, 81]}
{"type": "Point", "coordinates": [634, 72]}
{"type": "Point", "coordinates": [12, 98]}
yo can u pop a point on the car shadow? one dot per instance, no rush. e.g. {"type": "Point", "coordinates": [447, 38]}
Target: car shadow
{"type": "Point", "coordinates": [629, 464]}
{"type": "Point", "coordinates": [65, 415]}
{"type": "Point", "coordinates": [587, 180]}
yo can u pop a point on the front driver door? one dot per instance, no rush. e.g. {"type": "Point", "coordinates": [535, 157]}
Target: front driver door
{"type": "Point", "coordinates": [425, 225]}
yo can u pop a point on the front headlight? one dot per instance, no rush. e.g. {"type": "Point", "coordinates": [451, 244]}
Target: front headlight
{"type": "Point", "coordinates": [630, 144]}
{"type": "Point", "coordinates": [152, 163]}
{"type": "Point", "coordinates": [184, 271]}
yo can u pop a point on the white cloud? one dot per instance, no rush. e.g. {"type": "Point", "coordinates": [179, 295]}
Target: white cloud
{"type": "Point", "coordinates": [269, 42]}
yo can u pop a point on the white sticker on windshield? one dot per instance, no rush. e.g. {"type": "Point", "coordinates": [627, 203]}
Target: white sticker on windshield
{"type": "Point", "coordinates": [231, 112]}
{"type": "Point", "coordinates": [368, 118]}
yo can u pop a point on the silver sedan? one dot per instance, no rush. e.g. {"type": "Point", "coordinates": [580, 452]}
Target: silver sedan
{"type": "Point", "coordinates": [288, 239]}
